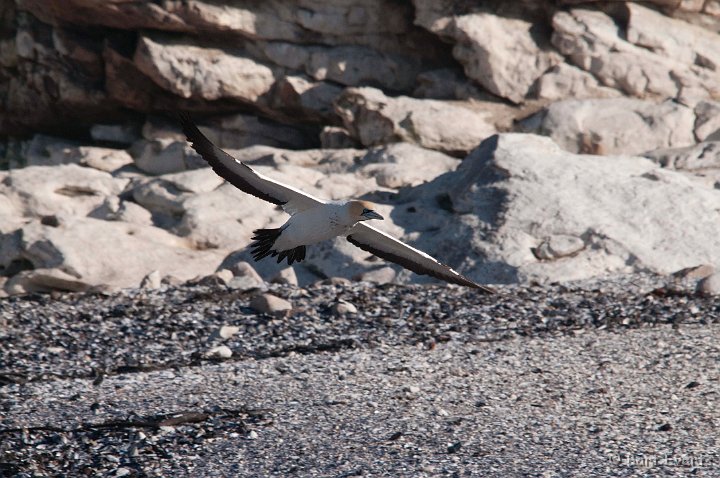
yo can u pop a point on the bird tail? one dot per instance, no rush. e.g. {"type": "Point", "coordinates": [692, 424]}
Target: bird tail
{"type": "Point", "coordinates": [263, 246]}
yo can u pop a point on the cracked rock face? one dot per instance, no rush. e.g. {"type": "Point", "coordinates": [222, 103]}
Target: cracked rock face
{"type": "Point", "coordinates": [393, 102]}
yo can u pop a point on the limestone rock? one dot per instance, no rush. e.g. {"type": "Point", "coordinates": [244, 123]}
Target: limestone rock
{"type": "Point", "coordinates": [383, 275]}
{"type": "Point", "coordinates": [300, 96]}
{"type": "Point", "coordinates": [240, 131]}
{"type": "Point", "coordinates": [66, 189]}
{"type": "Point", "coordinates": [49, 151]}
{"type": "Point", "coordinates": [707, 122]}
{"type": "Point", "coordinates": [671, 38]}
{"type": "Point", "coordinates": [109, 252]}
{"type": "Point", "coordinates": [592, 41]}
{"type": "Point", "coordinates": [515, 190]}
{"type": "Point", "coordinates": [286, 276]}
{"type": "Point", "coordinates": [375, 119]}
{"type": "Point", "coordinates": [565, 81]}
{"type": "Point", "coordinates": [404, 164]}
{"type": "Point", "coordinates": [196, 72]}
{"type": "Point", "coordinates": [219, 352]}
{"type": "Point", "coordinates": [244, 275]}
{"type": "Point", "coordinates": [700, 157]}
{"type": "Point", "coordinates": [151, 281]}
{"type": "Point", "coordinates": [225, 332]}
{"type": "Point", "coordinates": [615, 125]}
{"type": "Point", "coordinates": [342, 307]}
{"type": "Point", "coordinates": [709, 285]}
{"type": "Point", "coordinates": [501, 53]}
{"type": "Point", "coordinates": [165, 156]}
{"type": "Point", "coordinates": [45, 280]}
{"type": "Point", "coordinates": [115, 209]}
{"type": "Point", "coordinates": [270, 304]}
{"type": "Point", "coordinates": [694, 273]}
{"type": "Point", "coordinates": [358, 66]}
{"type": "Point", "coordinates": [220, 278]}
{"type": "Point", "coordinates": [557, 246]}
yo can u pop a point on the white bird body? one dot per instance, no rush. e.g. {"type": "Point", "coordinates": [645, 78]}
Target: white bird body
{"type": "Point", "coordinates": [317, 224]}
{"type": "Point", "coordinates": [313, 220]}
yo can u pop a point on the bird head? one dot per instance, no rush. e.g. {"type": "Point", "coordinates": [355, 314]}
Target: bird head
{"type": "Point", "coordinates": [363, 210]}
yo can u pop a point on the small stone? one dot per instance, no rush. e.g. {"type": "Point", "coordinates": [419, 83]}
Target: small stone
{"type": "Point", "coordinates": [342, 281]}
{"type": "Point", "coordinates": [245, 276]}
{"type": "Point", "coordinates": [709, 285]}
{"type": "Point", "coordinates": [270, 304]}
{"type": "Point", "coordinates": [225, 332]}
{"type": "Point", "coordinates": [454, 448]}
{"type": "Point", "coordinates": [694, 273]}
{"type": "Point", "coordinates": [123, 472]}
{"type": "Point", "coordinates": [286, 276]}
{"type": "Point", "coordinates": [342, 307]}
{"type": "Point", "coordinates": [242, 268]}
{"type": "Point", "coordinates": [246, 283]}
{"type": "Point", "coordinates": [252, 435]}
{"type": "Point", "coordinates": [383, 275]}
{"type": "Point", "coordinates": [171, 280]}
{"type": "Point", "coordinates": [221, 351]}
{"type": "Point", "coordinates": [151, 281]}
{"type": "Point", "coordinates": [220, 278]}
{"type": "Point", "coordinates": [224, 275]}
{"type": "Point", "coordinates": [557, 246]}
{"type": "Point", "coordinates": [665, 427]}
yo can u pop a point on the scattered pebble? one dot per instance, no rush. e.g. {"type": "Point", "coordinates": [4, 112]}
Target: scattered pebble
{"type": "Point", "coordinates": [151, 281]}
{"type": "Point", "coordinates": [286, 276]}
{"type": "Point", "coordinates": [221, 351]}
{"type": "Point", "coordinates": [270, 304]}
{"type": "Point", "coordinates": [343, 307]}
{"type": "Point", "coordinates": [225, 332]}
{"type": "Point", "coordinates": [710, 286]}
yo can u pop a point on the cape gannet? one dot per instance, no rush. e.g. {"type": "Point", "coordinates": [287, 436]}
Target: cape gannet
{"type": "Point", "coordinates": [313, 220]}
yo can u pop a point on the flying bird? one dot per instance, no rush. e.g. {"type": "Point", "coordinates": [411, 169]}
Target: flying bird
{"type": "Point", "coordinates": [313, 220]}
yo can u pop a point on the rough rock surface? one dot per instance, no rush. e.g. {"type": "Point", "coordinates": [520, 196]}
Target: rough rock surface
{"type": "Point", "coordinates": [593, 41]}
{"type": "Point", "coordinates": [107, 254]}
{"type": "Point", "coordinates": [617, 206]}
{"type": "Point", "coordinates": [501, 53]}
{"type": "Point", "coordinates": [615, 125]}
{"type": "Point", "coordinates": [373, 119]}
{"type": "Point", "coordinates": [92, 89]}
{"type": "Point", "coordinates": [212, 369]}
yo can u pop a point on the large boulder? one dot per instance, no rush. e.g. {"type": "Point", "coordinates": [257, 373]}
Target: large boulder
{"type": "Point", "coordinates": [505, 55]}
{"type": "Point", "coordinates": [525, 209]}
{"type": "Point", "coordinates": [375, 119]}
{"type": "Point", "coordinates": [614, 125]}
{"type": "Point", "coordinates": [89, 252]}
{"type": "Point", "coordinates": [70, 189]}
{"type": "Point", "coordinates": [189, 71]}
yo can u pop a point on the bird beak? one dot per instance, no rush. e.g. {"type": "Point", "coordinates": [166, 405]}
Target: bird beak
{"type": "Point", "coordinates": [372, 215]}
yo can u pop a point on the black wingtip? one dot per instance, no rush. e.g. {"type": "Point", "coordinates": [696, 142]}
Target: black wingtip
{"type": "Point", "coordinates": [189, 128]}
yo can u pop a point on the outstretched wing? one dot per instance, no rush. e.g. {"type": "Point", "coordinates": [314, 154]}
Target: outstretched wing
{"type": "Point", "coordinates": [387, 247]}
{"type": "Point", "coordinates": [243, 176]}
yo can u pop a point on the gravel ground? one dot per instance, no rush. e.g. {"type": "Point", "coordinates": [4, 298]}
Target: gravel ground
{"type": "Point", "coordinates": [609, 378]}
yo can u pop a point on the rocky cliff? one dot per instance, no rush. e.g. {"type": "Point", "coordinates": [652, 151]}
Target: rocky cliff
{"type": "Point", "coordinates": [517, 141]}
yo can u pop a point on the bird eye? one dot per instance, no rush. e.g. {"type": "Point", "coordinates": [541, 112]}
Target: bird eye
{"type": "Point", "coordinates": [366, 210]}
